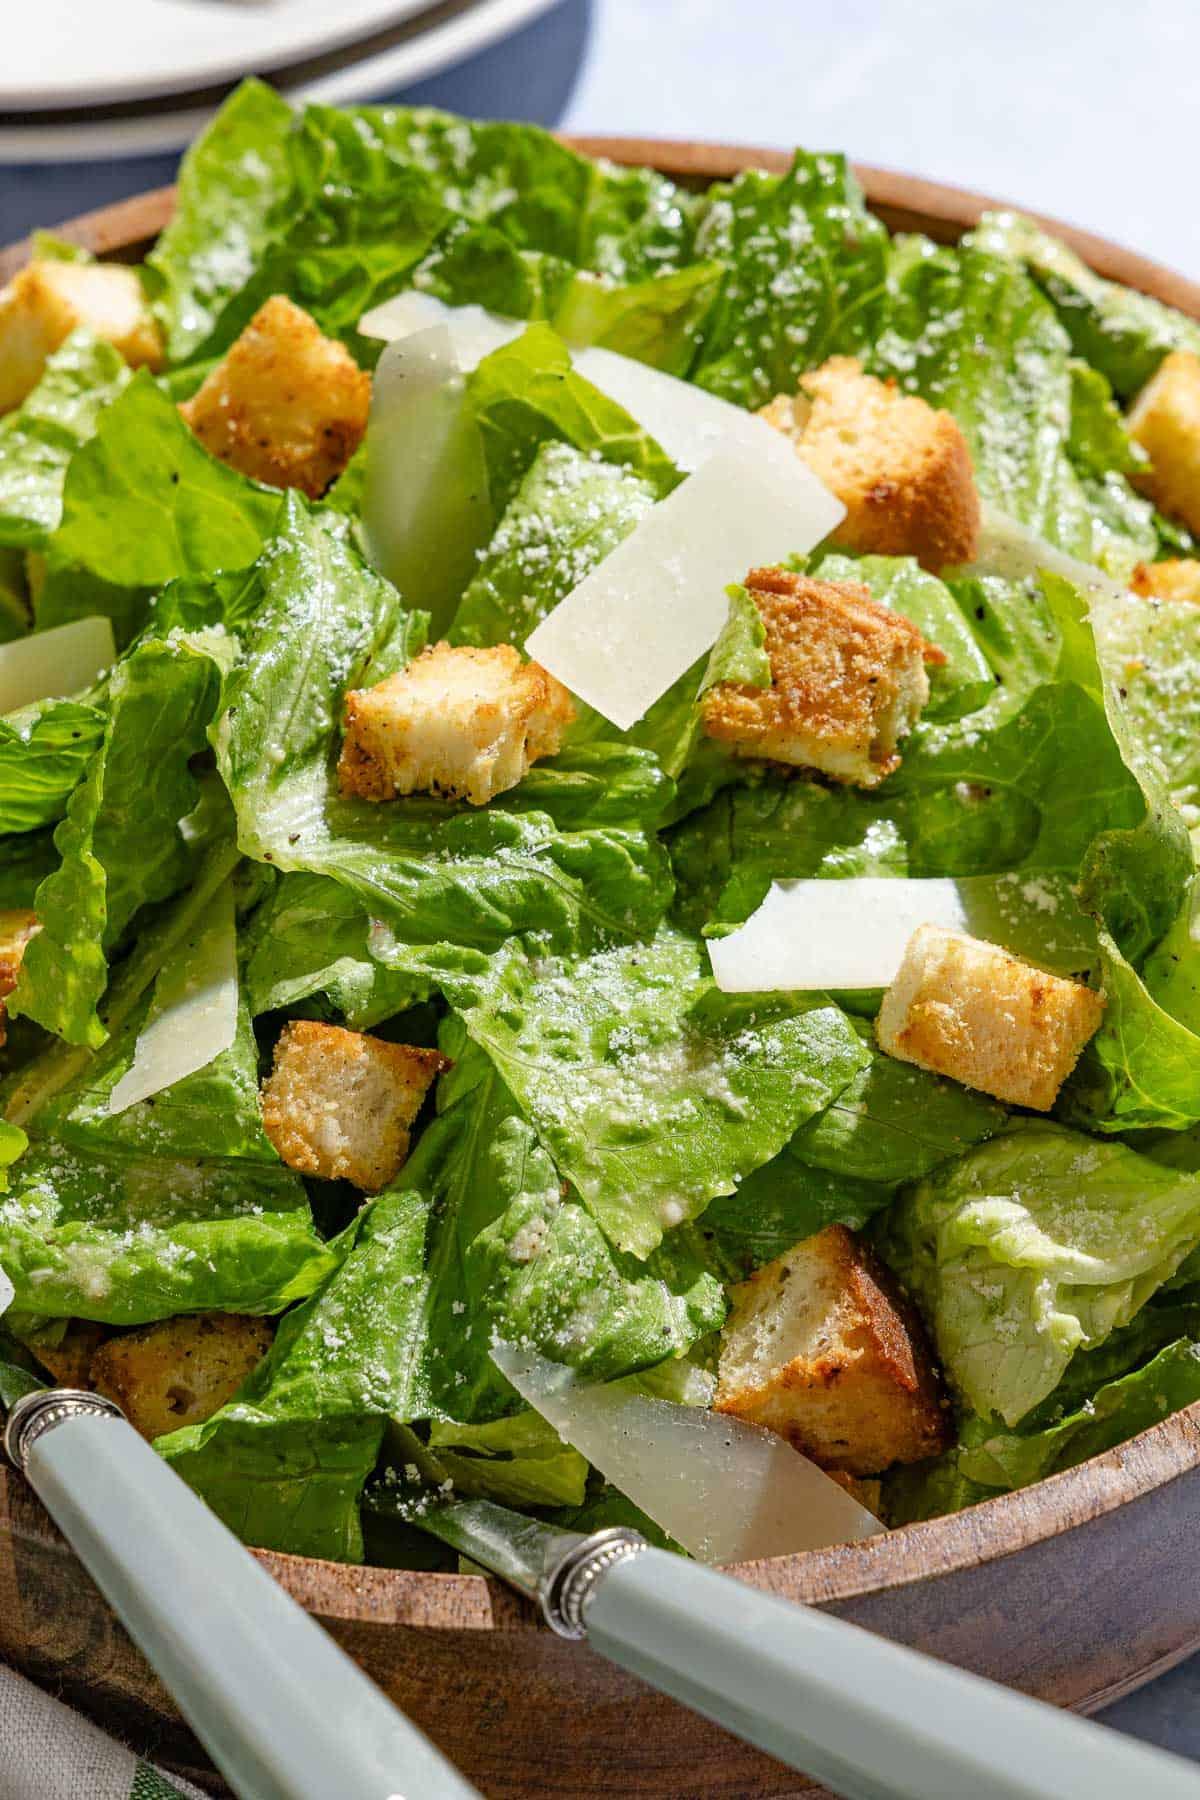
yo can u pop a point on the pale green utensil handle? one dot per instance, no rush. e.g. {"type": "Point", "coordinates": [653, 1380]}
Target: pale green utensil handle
{"type": "Point", "coordinates": [871, 1719]}
{"type": "Point", "coordinates": [279, 1708]}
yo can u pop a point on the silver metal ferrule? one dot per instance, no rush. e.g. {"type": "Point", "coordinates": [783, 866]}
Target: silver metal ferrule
{"type": "Point", "coordinates": [39, 1412]}
{"type": "Point", "coordinates": [567, 1588]}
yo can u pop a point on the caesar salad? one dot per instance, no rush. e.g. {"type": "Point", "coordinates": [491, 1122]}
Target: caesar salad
{"type": "Point", "coordinates": [603, 767]}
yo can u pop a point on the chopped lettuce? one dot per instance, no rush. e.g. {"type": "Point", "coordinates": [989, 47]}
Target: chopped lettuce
{"type": "Point", "coordinates": [126, 1238]}
{"type": "Point", "coordinates": [1145, 1371]}
{"type": "Point", "coordinates": [120, 842]}
{"type": "Point", "coordinates": [143, 503]}
{"type": "Point", "coordinates": [970, 331]}
{"type": "Point", "coordinates": [806, 268]}
{"type": "Point", "coordinates": [519, 1461]}
{"type": "Point", "coordinates": [893, 1122]}
{"type": "Point", "coordinates": [44, 751]}
{"type": "Point", "coordinates": [1151, 650]}
{"type": "Point", "coordinates": [1142, 1068]}
{"type": "Point", "coordinates": [1035, 1245]}
{"type": "Point", "coordinates": [227, 183]}
{"type": "Point", "coordinates": [1124, 335]}
{"type": "Point", "coordinates": [527, 394]}
{"type": "Point", "coordinates": [310, 953]}
{"type": "Point", "coordinates": [615, 1141]}
{"type": "Point", "coordinates": [567, 514]}
{"type": "Point", "coordinates": [654, 1092]}
{"type": "Point", "coordinates": [37, 442]}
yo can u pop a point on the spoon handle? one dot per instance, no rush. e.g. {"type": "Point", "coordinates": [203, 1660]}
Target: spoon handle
{"type": "Point", "coordinates": [283, 1713]}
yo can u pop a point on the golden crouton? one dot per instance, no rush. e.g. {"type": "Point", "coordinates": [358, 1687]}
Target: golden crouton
{"type": "Point", "coordinates": [848, 681]}
{"type": "Point", "coordinates": [901, 469]}
{"type": "Point", "coordinates": [48, 300]}
{"type": "Point", "coordinates": [70, 1359]}
{"type": "Point", "coordinates": [460, 722]}
{"type": "Point", "coordinates": [179, 1371]}
{"type": "Point", "coordinates": [1168, 580]}
{"type": "Point", "coordinates": [1165, 421]}
{"type": "Point", "coordinates": [286, 405]}
{"type": "Point", "coordinates": [339, 1103]}
{"type": "Point", "coordinates": [16, 928]}
{"type": "Point", "coordinates": [969, 1010]}
{"type": "Point", "coordinates": [820, 1347]}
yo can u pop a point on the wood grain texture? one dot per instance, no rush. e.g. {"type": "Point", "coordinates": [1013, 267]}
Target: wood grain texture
{"type": "Point", "coordinates": [1076, 1590]}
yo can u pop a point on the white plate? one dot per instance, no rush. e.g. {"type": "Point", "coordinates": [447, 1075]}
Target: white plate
{"type": "Point", "coordinates": [425, 52]}
{"type": "Point", "coordinates": [67, 54]}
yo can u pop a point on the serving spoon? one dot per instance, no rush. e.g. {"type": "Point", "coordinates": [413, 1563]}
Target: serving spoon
{"type": "Point", "coordinates": [285, 1715]}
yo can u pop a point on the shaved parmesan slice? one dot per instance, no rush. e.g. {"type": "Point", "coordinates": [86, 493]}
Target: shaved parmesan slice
{"type": "Point", "coordinates": [658, 601]}
{"type": "Point", "coordinates": [193, 1016]}
{"type": "Point", "coordinates": [727, 1491]}
{"type": "Point", "coordinates": [831, 934]}
{"type": "Point", "coordinates": [475, 331]}
{"type": "Point", "coordinates": [425, 507]}
{"type": "Point", "coordinates": [814, 935]}
{"type": "Point", "coordinates": [1009, 549]}
{"type": "Point", "coordinates": [52, 665]}
{"type": "Point", "coordinates": [690, 424]}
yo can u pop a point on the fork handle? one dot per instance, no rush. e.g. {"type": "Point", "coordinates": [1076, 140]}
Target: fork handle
{"type": "Point", "coordinates": [871, 1719]}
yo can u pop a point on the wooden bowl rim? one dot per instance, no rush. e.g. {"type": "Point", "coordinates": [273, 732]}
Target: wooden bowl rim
{"type": "Point", "coordinates": [981, 1534]}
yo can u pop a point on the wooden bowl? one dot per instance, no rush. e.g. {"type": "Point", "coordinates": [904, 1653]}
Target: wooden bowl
{"type": "Point", "coordinates": [1077, 1590]}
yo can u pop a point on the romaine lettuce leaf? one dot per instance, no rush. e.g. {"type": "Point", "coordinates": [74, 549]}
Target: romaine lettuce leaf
{"type": "Point", "coordinates": [890, 1123]}
{"type": "Point", "coordinates": [893, 1122]}
{"type": "Point", "coordinates": [1036, 1244]}
{"type": "Point", "coordinates": [44, 750]}
{"type": "Point", "coordinates": [335, 249]}
{"type": "Point", "coordinates": [144, 502]}
{"type": "Point", "coordinates": [126, 1238]}
{"type": "Point", "coordinates": [120, 843]}
{"type": "Point", "coordinates": [806, 268]}
{"type": "Point", "coordinates": [38, 442]}
{"type": "Point", "coordinates": [309, 952]}
{"type": "Point", "coordinates": [211, 1113]}
{"type": "Point", "coordinates": [658, 320]}
{"type": "Point", "coordinates": [567, 514]}
{"type": "Point", "coordinates": [776, 1207]}
{"type": "Point", "coordinates": [1048, 778]}
{"type": "Point", "coordinates": [971, 332]}
{"type": "Point", "coordinates": [654, 1092]}
{"type": "Point", "coordinates": [228, 181]}
{"type": "Point", "coordinates": [527, 394]}
{"type": "Point", "coordinates": [517, 179]}
{"type": "Point", "coordinates": [1142, 1068]}
{"type": "Point", "coordinates": [1151, 650]}
{"type": "Point", "coordinates": [520, 1461]}
{"type": "Point", "coordinates": [1121, 333]}
{"type": "Point", "coordinates": [1144, 1372]}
